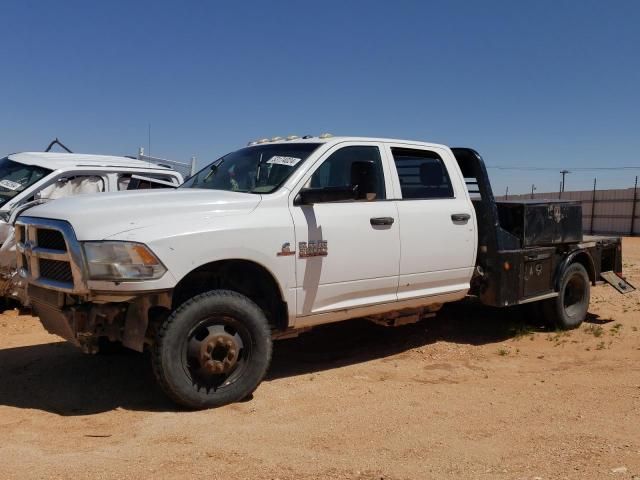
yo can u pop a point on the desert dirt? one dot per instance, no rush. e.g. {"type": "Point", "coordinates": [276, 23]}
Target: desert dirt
{"type": "Point", "coordinates": [472, 393]}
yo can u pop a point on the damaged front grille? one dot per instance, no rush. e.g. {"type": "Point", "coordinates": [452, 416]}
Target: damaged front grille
{"type": "Point", "coordinates": [51, 239]}
{"type": "Point", "coordinates": [57, 270]}
{"type": "Point", "coordinates": [49, 255]}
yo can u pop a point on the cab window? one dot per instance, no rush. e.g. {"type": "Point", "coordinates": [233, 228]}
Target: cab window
{"type": "Point", "coordinates": [73, 185]}
{"type": "Point", "coordinates": [129, 181]}
{"type": "Point", "coordinates": [422, 174]}
{"type": "Point", "coordinates": [349, 167]}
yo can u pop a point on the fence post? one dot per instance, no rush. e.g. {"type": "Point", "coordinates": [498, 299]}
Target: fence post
{"type": "Point", "coordinates": [593, 205]}
{"type": "Point", "coordinates": [193, 165]}
{"type": "Point", "coordinates": [633, 208]}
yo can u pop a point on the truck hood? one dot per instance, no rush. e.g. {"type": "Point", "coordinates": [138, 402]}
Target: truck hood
{"type": "Point", "coordinates": [102, 215]}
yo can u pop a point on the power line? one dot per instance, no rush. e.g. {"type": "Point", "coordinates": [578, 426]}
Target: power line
{"type": "Point", "coordinates": [582, 169]}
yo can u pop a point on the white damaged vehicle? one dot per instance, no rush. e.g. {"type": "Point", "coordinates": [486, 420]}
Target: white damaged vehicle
{"type": "Point", "coordinates": [30, 178]}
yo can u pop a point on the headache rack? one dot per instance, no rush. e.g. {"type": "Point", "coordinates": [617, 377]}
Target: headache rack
{"type": "Point", "coordinates": [524, 246]}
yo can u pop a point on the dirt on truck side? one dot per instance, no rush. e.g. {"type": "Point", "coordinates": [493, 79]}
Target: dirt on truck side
{"type": "Point", "coordinates": [472, 393]}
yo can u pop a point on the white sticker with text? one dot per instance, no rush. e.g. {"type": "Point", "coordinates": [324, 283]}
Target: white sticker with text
{"type": "Point", "coordinates": [289, 161]}
{"type": "Point", "coordinates": [10, 185]}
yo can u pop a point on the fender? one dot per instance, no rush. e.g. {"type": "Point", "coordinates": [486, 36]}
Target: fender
{"type": "Point", "coordinates": [581, 256]}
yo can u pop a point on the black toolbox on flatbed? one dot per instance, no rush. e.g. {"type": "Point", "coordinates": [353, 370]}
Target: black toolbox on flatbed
{"type": "Point", "coordinates": [539, 223]}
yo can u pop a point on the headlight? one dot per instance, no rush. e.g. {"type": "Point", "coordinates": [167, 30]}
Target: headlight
{"type": "Point", "coordinates": [118, 261]}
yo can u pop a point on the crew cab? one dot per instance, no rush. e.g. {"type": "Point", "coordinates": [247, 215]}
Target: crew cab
{"type": "Point", "coordinates": [284, 235]}
{"type": "Point", "coordinates": [36, 177]}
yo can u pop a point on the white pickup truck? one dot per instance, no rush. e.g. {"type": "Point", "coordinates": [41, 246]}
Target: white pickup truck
{"type": "Point", "coordinates": [283, 235]}
{"type": "Point", "coordinates": [36, 177]}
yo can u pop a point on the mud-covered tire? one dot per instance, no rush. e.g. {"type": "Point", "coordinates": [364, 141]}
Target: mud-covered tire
{"type": "Point", "coordinates": [569, 309]}
{"type": "Point", "coordinates": [195, 347]}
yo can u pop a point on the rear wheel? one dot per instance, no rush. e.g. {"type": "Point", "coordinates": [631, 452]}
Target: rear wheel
{"type": "Point", "coordinates": [213, 350]}
{"type": "Point", "coordinates": [569, 309]}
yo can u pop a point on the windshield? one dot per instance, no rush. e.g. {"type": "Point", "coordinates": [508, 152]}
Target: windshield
{"type": "Point", "coordinates": [259, 169]}
{"type": "Point", "coordinates": [16, 177]}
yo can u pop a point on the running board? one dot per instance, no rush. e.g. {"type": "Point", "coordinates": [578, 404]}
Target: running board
{"type": "Point", "coordinates": [617, 282]}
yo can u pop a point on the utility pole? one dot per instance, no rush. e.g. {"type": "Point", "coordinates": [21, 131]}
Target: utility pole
{"type": "Point", "coordinates": [506, 194]}
{"type": "Point", "coordinates": [633, 209]}
{"type": "Point", "coordinates": [533, 187]}
{"type": "Point", "coordinates": [593, 205]}
{"type": "Point", "coordinates": [563, 172]}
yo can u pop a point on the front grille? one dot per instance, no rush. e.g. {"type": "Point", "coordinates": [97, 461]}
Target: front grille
{"type": "Point", "coordinates": [19, 233]}
{"type": "Point", "coordinates": [57, 270]}
{"type": "Point", "coordinates": [50, 256]}
{"type": "Point", "coordinates": [52, 239]}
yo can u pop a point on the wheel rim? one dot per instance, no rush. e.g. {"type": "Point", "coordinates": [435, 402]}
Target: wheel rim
{"type": "Point", "coordinates": [216, 353]}
{"type": "Point", "coordinates": [574, 295]}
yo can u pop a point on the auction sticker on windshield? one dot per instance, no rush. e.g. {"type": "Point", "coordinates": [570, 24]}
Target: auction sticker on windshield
{"type": "Point", "coordinates": [278, 160]}
{"type": "Point", "coordinates": [10, 185]}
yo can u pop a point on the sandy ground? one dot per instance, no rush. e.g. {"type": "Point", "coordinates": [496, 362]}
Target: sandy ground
{"type": "Point", "coordinates": [470, 394]}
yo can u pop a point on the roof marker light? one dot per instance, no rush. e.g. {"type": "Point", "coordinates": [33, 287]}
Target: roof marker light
{"type": "Point", "coordinates": [293, 137]}
{"type": "Point", "coordinates": [251, 144]}
{"type": "Point", "coordinates": [263, 140]}
{"type": "Point", "coordinates": [326, 135]}
{"type": "Point", "coordinates": [275, 139]}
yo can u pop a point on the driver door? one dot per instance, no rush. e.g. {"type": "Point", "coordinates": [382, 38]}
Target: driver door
{"type": "Point", "coordinates": [348, 252]}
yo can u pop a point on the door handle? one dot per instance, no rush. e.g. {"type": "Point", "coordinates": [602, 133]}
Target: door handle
{"type": "Point", "coordinates": [376, 221]}
{"type": "Point", "coordinates": [460, 217]}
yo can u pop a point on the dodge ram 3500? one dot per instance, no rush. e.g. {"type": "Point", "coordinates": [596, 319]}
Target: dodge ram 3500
{"type": "Point", "coordinates": [283, 235]}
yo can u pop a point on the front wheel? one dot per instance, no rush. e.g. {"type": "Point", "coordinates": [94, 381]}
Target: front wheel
{"type": "Point", "coordinates": [569, 309]}
{"type": "Point", "coordinates": [213, 350]}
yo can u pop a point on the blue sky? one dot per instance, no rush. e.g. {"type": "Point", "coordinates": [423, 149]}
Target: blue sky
{"type": "Point", "coordinates": [549, 84]}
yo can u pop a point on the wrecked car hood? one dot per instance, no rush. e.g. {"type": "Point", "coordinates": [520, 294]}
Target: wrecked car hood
{"type": "Point", "coordinates": [102, 215]}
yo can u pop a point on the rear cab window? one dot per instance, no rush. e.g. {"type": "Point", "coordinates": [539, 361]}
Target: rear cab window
{"type": "Point", "coordinates": [422, 174]}
{"type": "Point", "coordinates": [133, 181]}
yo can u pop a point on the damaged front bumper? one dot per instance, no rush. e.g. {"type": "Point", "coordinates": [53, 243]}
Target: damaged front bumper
{"type": "Point", "coordinates": [83, 320]}
{"type": "Point", "coordinates": [51, 262]}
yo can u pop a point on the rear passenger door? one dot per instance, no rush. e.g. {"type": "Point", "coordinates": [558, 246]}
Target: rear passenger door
{"type": "Point", "coordinates": [437, 222]}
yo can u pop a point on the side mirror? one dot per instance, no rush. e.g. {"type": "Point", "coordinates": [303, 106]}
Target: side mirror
{"type": "Point", "coordinates": [309, 196]}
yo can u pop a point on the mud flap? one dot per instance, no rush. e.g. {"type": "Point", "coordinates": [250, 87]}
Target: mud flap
{"type": "Point", "coordinates": [617, 282]}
